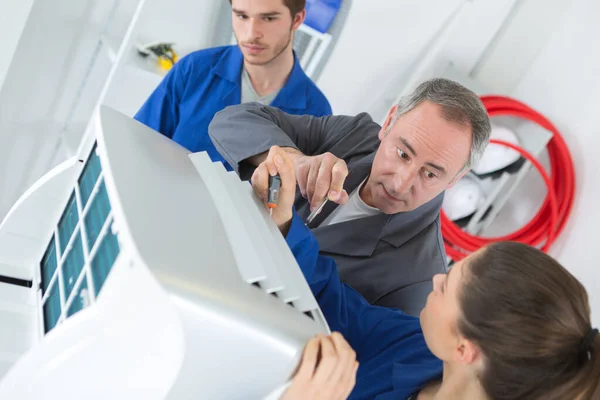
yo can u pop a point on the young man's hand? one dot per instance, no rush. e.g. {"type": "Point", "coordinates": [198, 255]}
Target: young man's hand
{"type": "Point", "coordinates": [327, 370]}
{"type": "Point", "coordinates": [277, 162]}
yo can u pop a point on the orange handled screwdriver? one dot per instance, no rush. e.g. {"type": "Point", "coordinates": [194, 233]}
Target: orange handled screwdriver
{"type": "Point", "coordinates": [273, 196]}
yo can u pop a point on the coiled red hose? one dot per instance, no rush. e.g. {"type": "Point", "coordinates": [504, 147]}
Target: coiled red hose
{"type": "Point", "coordinates": [550, 220]}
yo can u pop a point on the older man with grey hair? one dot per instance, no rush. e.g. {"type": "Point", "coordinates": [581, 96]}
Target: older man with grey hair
{"type": "Point", "coordinates": [384, 184]}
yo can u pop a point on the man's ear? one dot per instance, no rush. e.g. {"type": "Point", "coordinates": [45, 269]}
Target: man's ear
{"type": "Point", "coordinates": [388, 121]}
{"type": "Point", "coordinates": [298, 19]}
{"type": "Point", "coordinates": [458, 177]}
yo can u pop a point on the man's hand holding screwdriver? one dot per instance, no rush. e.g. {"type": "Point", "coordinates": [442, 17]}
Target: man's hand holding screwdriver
{"type": "Point", "coordinates": [319, 177]}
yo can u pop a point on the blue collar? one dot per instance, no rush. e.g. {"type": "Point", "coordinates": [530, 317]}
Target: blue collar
{"type": "Point", "coordinates": [410, 378]}
{"type": "Point", "coordinates": [294, 92]}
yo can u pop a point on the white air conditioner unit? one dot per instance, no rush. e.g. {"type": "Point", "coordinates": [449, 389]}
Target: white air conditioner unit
{"type": "Point", "coordinates": [157, 275]}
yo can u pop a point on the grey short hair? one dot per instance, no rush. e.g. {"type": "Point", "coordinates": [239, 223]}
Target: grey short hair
{"type": "Point", "coordinates": [459, 105]}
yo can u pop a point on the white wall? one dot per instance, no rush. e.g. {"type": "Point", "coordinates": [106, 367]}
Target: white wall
{"type": "Point", "coordinates": [13, 17]}
{"type": "Point", "coordinates": [380, 40]}
{"type": "Point", "coordinates": [563, 83]}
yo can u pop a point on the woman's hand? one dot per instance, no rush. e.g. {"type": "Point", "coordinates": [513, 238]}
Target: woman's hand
{"type": "Point", "coordinates": [277, 162]}
{"type": "Point", "coordinates": [327, 370]}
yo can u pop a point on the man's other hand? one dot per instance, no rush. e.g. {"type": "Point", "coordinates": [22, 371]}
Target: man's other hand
{"type": "Point", "coordinates": [321, 177]}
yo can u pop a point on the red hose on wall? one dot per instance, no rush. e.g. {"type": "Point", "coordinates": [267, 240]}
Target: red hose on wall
{"type": "Point", "coordinates": [550, 220]}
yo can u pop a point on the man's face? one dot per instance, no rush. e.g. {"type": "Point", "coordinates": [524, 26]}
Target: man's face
{"type": "Point", "coordinates": [263, 28]}
{"type": "Point", "coordinates": [421, 155]}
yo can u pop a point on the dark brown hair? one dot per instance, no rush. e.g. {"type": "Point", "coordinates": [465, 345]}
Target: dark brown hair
{"type": "Point", "coordinates": [295, 6]}
{"type": "Point", "coordinates": [529, 316]}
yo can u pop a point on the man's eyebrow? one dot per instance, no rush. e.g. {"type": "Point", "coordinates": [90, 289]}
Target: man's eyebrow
{"type": "Point", "coordinates": [408, 146]}
{"type": "Point", "coordinates": [435, 166]}
{"type": "Point", "coordinates": [263, 15]}
{"type": "Point", "coordinates": [270, 14]}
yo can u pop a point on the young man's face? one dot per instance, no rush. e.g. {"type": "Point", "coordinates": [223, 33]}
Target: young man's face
{"type": "Point", "coordinates": [263, 28]}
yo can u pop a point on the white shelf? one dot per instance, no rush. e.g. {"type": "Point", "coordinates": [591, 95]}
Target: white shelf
{"type": "Point", "coordinates": [135, 82]}
{"type": "Point", "coordinates": [533, 139]}
{"type": "Point", "coordinates": [315, 50]}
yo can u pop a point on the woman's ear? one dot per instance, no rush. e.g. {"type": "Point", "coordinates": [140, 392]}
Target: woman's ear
{"type": "Point", "coordinates": [468, 352]}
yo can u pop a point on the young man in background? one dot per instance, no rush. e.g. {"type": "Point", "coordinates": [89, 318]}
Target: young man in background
{"type": "Point", "coordinates": [262, 68]}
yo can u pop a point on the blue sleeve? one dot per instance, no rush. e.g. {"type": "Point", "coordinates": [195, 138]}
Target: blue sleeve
{"type": "Point", "coordinates": [320, 106]}
{"type": "Point", "coordinates": [369, 329]}
{"type": "Point", "coordinates": [161, 110]}
{"type": "Point", "coordinates": [326, 109]}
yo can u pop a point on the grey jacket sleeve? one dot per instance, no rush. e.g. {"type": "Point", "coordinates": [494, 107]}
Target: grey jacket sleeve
{"type": "Point", "coordinates": [242, 131]}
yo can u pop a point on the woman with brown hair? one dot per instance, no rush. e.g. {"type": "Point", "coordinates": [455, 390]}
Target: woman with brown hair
{"type": "Point", "coordinates": [507, 322]}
